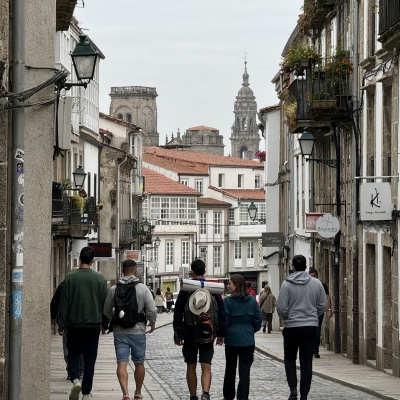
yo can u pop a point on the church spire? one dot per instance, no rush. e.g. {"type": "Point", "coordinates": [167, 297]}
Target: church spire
{"type": "Point", "coordinates": [245, 75]}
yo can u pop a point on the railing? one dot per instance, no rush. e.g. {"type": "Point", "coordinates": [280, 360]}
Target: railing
{"type": "Point", "coordinates": [322, 89]}
{"type": "Point", "coordinates": [128, 229]}
{"type": "Point", "coordinates": [389, 14]}
{"type": "Point", "coordinates": [133, 89]}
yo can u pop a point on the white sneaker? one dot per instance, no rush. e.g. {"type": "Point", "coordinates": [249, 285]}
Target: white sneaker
{"type": "Point", "coordinates": [76, 389]}
{"type": "Point", "coordinates": [86, 397]}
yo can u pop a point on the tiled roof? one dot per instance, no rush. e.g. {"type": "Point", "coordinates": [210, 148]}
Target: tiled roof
{"type": "Point", "coordinates": [201, 128]}
{"type": "Point", "coordinates": [201, 158]}
{"type": "Point", "coordinates": [208, 201]}
{"type": "Point", "coordinates": [158, 184]}
{"type": "Point", "coordinates": [118, 121]}
{"type": "Point", "coordinates": [242, 194]}
{"type": "Point", "coordinates": [175, 165]}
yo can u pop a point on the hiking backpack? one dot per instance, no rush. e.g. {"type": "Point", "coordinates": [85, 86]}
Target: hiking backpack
{"type": "Point", "coordinates": [203, 327]}
{"type": "Point", "coordinates": [126, 312]}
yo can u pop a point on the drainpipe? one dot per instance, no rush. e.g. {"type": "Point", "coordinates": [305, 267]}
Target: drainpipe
{"type": "Point", "coordinates": [17, 231]}
{"type": "Point", "coordinates": [356, 172]}
{"type": "Point", "coordinates": [117, 249]}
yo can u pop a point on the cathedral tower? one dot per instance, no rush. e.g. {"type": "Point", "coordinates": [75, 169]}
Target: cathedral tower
{"type": "Point", "coordinates": [137, 104]}
{"type": "Point", "coordinates": [244, 137]}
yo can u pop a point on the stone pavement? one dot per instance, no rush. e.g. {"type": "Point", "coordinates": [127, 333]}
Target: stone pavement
{"type": "Point", "coordinates": [330, 366]}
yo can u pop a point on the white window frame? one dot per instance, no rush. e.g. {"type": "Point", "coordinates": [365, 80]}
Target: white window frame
{"type": "Point", "coordinates": [169, 256]}
{"type": "Point", "coordinates": [221, 179]}
{"type": "Point", "coordinates": [199, 185]}
{"type": "Point", "coordinates": [185, 182]}
{"type": "Point", "coordinates": [250, 254]}
{"type": "Point", "coordinates": [217, 223]}
{"type": "Point", "coordinates": [217, 258]}
{"type": "Point", "coordinates": [257, 181]}
{"type": "Point", "coordinates": [185, 253]}
{"type": "Point", "coordinates": [240, 180]}
{"type": "Point", "coordinates": [203, 224]}
{"type": "Point", "coordinates": [237, 254]}
{"type": "Point", "coordinates": [231, 215]}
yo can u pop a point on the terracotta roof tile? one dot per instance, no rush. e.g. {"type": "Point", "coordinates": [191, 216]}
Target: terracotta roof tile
{"type": "Point", "coordinates": [158, 184]}
{"type": "Point", "coordinates": [175, 165]}
{"type": "Point", "coordinates": [201, 128]}
{"type": "Point", "coordinates": [242, 194]}
{"type": "Point", "coordinates": [208, 201]}
{"type": "Point", "coordinates": [197, 160]}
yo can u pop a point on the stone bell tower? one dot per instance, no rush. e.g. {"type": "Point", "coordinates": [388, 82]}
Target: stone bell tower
{"type": "Point", "coordinates": [245, 138]}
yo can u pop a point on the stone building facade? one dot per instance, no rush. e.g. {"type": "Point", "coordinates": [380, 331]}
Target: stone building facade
{"type": "Point", "coordinates": [137, 105]}
{"type": "Point", "coordinates": [204, 139]}
{"type": "Point", "coordinates": [245, 138]}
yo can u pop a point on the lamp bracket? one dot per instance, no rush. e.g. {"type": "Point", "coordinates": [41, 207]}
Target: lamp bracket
{"type": "Point", "coordinates": [329, 163]}
{"type": "Point", "coordinates": [68, 85]}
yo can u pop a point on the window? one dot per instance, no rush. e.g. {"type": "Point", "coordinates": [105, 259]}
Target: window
{"type": "Point", "coordinates": [238, 250]}
{"type": "Point", "coordinates": [95, 186]}
{"type": "Point", "coordinates": [250, 249]}
{"type": "Point", "coordinates": [217, 259]}
{"type": "Point", "coordinates": [231, 216]}
{"type": "Point", "coordinates": [154, 254]}
{"type": "Point", "coordinates": [220, 180]}
{"type": "Point", "coordinates": [173, 209]}
{"type": "Point", "coordinates": [89, 184]}
{"type": "Point", "coordinates": [203, 223]}
{"type": "Point", "coordinates": [240, 180]}
{"type": "Point", "coordinates": [120, 116]}
{"type": "Point", "coordinates": [244, 123]}
{"type": "Point", "coordinates": [199, 185]}
{"type": "Point", "coordinates": [217, 223]}
{"type": "Point", "coordinates": [169, 256]}
{"type": "Point", "coordinates": [257, 182]}
{"type": "Point", "coordinates": [184, 182]}
{"type": "Point", "coordinates": [244, 218]}
{"type": "Point", "coordinates": [129, 117]}
{"type": "Point", "coordinates": [185, 253]}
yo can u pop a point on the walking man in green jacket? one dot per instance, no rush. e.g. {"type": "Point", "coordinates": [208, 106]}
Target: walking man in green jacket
{"type": "Point", "coordinates": [81, 313]}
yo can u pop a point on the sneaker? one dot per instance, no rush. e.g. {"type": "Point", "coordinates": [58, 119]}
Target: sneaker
{"type": "Point", "coordinates": [293, 394]}
{"type": "Point", "coordinates": [194, 398]}
{"type": "Point", "coordinates": [264, 328]}
{"type": "Point", "coordinates": [316, 355]}
{"type": "Point", "coordinates": [126, 398]}
{"type": "Point", "coordinates": [86, 397]}
{"type": "Point", "coordinates": [76, 389]}
{"type": "Point", "coordinates": [136, 397]}
{"type": "Point", "coordinates": [205, 396]}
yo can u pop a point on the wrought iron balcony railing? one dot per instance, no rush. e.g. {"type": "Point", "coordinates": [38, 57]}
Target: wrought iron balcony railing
{"type": "Point", "coordinates": [128, 230]}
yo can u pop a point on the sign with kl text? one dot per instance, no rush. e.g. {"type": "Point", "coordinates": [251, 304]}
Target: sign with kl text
{"type": "Point", "coordinates": [375, 201]}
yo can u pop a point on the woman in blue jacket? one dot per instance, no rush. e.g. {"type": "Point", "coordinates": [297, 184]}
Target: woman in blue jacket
{"type": "Point", "coordinates": [244, 319]}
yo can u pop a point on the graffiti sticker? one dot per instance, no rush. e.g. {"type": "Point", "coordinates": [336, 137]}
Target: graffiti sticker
{"type": "Point", "coordinates": [17, 304]}
{"type": "Point", "coordinates": [21, 199]}
{"type": "Point", "coordinates": [21, 179]}
{"type": "Point", "coordinates": [17, 275]}
{"type": "Point", "coordinates": [19, 155]}
{"type": "Point", "coordinates": [20, 168]}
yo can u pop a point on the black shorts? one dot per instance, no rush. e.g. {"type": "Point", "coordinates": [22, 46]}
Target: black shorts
{"type": "Point", "coordinates": [190, 350]}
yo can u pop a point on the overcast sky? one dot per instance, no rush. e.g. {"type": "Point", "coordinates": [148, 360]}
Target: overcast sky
{"type": "Point", "coordinates": [192, 52]}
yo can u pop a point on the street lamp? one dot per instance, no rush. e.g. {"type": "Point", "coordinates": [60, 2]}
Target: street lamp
{"type": "Point", "coordinates": [252, 210]}
{"type": "Point", "coordinates": [79, 177]}
{"type": "Point", "coordinates": [145, 226]}
{"type": "Point", "coordinates": [154, 263]}
{"type": "Point", "coordinates": [84, 59]}
{"type": "Point", "coordinates": [307, 142]}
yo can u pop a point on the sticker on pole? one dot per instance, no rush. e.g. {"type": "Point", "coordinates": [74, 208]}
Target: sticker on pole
{"type": "Point", "coordinates": [327, 226]}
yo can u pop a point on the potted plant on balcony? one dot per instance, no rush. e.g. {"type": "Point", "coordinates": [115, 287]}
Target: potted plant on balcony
{"type": "Point", "coordinates": [298, 57]}
{"type": "Point", "coordinates": [260, 155]}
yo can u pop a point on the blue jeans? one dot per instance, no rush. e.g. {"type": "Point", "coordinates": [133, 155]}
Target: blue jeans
{"type": "Point", "coordinates": [300, 339]}
{"type": "Point", "coordinates": [130, 344]}
{"type": "Point", "coordinates": [245, 355]}
{"type": "Point", "coordinates": [82, 341]}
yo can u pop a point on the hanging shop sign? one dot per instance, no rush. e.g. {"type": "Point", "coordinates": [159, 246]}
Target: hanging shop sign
{"type": "Point", "coordinates": [327, 226]}
{"type": "Point", "coordinates": [375, 201]}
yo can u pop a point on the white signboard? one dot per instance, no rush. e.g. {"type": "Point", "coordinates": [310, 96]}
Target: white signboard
{"type": "Point", "coordinates": [327, 226]}
{"type": "Point", "coordinates": [375, 202]}
{"type": "Point", "coordinates": [77, 246]}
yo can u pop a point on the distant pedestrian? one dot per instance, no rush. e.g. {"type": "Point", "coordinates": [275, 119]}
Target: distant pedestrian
{"type": "Point", "coordinates": [159, 300]}
{"type": "Point", "coordinates": [314, 273]}
{"type": "Point", "coordinates": [267, 305]}
{"type": "Point", "coordinates": [243, 317]}
{"type": "Point", "coordinates": [301, 300]}
{"type": "Point", "coordinates": [250, 290]}
{"type": "Point", "coordinates": [207, 311]}
{"type": "Point", "coordinates": [129, 325]}
{"type": "Point", "coordinates": [81, 313]}
{"type": "Point", "coordinates": [169, 298]}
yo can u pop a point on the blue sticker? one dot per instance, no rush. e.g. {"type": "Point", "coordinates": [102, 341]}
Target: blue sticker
{"type": "Point", "coordinates": [17, 304]}
{"type": "Point", "coordinates": [20, 168]}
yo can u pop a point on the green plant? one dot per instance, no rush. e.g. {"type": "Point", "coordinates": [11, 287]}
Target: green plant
{"type": "Point", "coordinates": [79, 202]}
{"type": "Point", "coordinates": [290, 109]}
{"type": "Point", "coordinates": [298, 53]}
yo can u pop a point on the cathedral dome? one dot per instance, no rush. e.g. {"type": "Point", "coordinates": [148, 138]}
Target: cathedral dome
{"type": "Point", "coordinates": [245, 91]}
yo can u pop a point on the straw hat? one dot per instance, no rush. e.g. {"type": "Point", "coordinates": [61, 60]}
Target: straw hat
{"type": "Point", "coordinates": [199, 301]}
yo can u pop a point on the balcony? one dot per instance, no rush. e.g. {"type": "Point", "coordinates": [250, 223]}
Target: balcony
{"type": "Point", "coordinates": [68, 218]}
{"type": "Point", "coordinates": [315, 12]}
{"type": "Point", "coordinates": [128, 230]}
{"type": "Point", "coordinates": [389, 24]}
{"type": "Point", "coordinates": [322, 93]}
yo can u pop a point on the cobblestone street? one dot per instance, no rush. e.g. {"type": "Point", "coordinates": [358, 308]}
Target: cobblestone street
{"type": "Point", "coordinates": [166, 367]}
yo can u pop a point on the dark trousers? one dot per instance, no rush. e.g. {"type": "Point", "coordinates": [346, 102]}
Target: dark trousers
{"type": "Point", "coordinates": [245, 355]}
{"type": "Point", "coordinates": [82, 341]}
{"type": "Point", "coordinates": [267, 320]}
{"type": "Point", "coordinates": [318, 341]}
{"type": "Point", "coordinates": [300, 339]}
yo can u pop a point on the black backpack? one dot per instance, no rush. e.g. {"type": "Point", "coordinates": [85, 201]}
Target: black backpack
{"type": "Point", "coordinates": [126, 312]}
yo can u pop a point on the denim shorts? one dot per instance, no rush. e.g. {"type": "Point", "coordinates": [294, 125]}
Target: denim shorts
{"type": "Point", "coordinates": [126, 344]}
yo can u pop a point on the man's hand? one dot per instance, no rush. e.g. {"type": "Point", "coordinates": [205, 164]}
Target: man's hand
{"type": "Point", "coordinates": [178, 341]}
{"type": "Point", "coordinates": [103, 331]}
{"type": "Point", "coordinates": [220, 341]}
{"type": "Point", "coordinates": [53, 323]}
{"type": "Point", "coordinates": [329, 313]}
{"type": "Point", "coordinates": [61, 333]}
{"type": "Point", "coordinates": [152, 329]}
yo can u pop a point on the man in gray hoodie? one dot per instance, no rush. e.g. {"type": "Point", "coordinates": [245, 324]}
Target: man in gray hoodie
{"type": "Point", "coordinates": [131, 341]}
{"type": "Point", "coordinates": [301, 300]}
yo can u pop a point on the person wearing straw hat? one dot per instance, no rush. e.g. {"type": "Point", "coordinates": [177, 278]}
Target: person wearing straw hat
{"type": "Point", "coordinates": [194, 305]}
